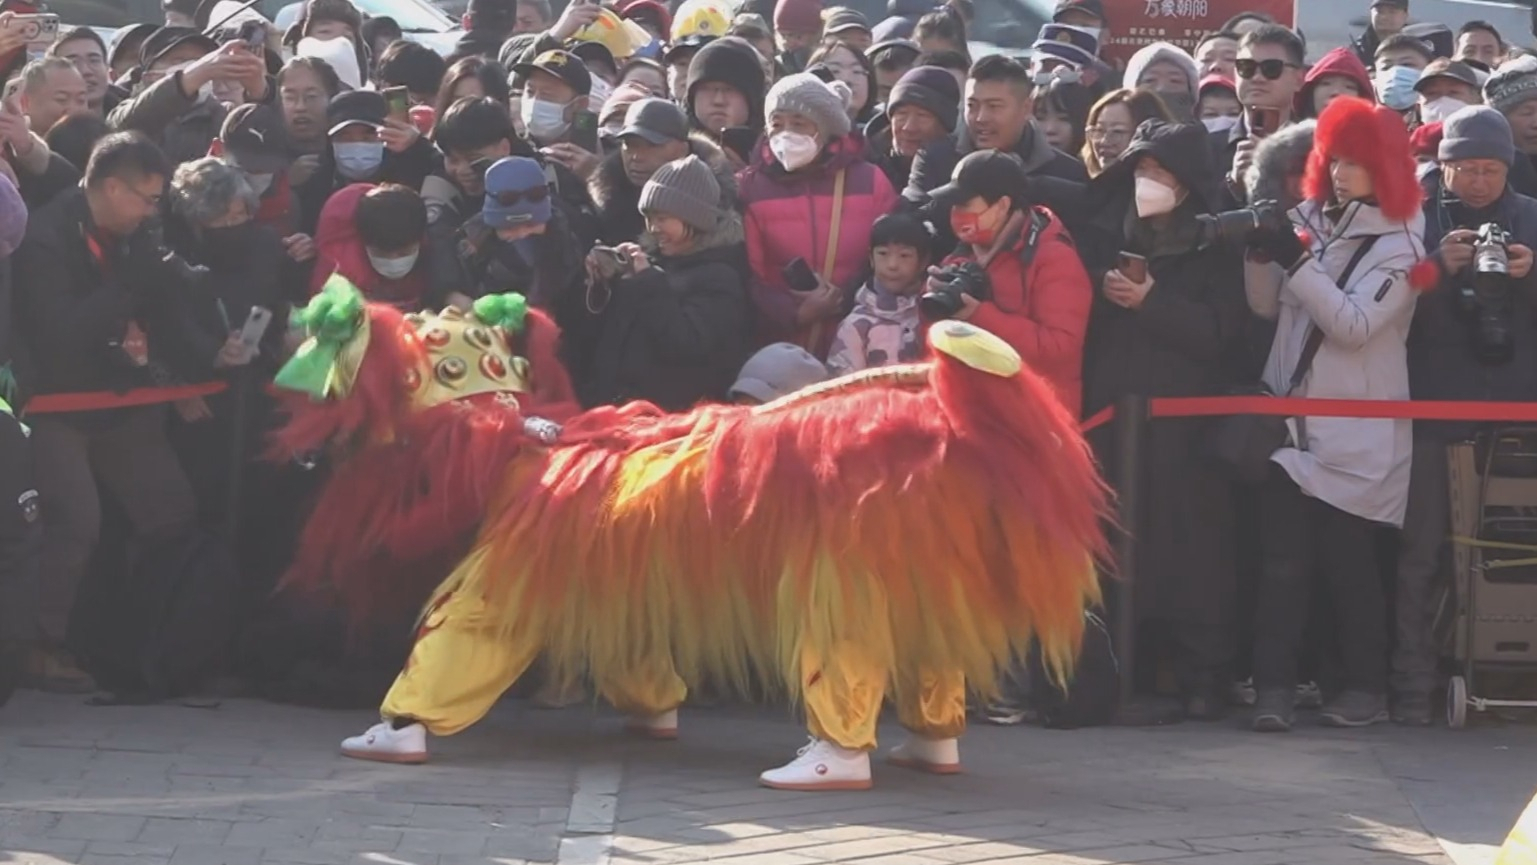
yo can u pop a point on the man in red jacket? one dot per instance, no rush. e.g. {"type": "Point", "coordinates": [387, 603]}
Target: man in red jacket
{"type": "Point", "coordinates": [1027, 284]}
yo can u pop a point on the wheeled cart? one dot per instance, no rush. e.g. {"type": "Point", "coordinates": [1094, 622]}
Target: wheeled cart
{"type": "Point", "coordinates": [1494, 597]}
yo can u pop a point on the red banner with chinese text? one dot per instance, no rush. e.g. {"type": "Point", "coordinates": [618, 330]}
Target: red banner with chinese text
{"type": "Point", "coordinates": [1136, 23]}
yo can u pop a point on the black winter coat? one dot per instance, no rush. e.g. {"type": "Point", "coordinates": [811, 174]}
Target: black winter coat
{"type": "Point", "coordinates": [675, 334]}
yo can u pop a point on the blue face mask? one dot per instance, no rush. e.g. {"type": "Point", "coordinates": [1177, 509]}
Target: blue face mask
{"type": "Point", "coordinates": [358, 160]}
{"type": "Point", "coordinates": [1395, 87]}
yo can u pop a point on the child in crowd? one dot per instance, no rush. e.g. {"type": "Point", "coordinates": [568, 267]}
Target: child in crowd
{"type": "Point", "coordinates": [883, 328]}
{"type": "Point", "coordinates": [774, 371]}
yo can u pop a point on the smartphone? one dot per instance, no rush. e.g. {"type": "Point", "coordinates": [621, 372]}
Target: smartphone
{"type": "Point", "coordinates": [254, 34]}
{"type": "Point", "coordinates": [584, 132]}
{"type": "Point", "coordinates": [255, 327]}
{"type": "Point", "coordinates": [1132, 266]}
{"type": "Point", "coordinates": [799, 276]}
{"type": "Point", "coordinates": [39, 29]}
{"type": "Point", "coordinates": [1262, 121]}
{"type": "Point", "coordinates": [739, 140]}
{"type": "Point", "coordinates": [399, 101]}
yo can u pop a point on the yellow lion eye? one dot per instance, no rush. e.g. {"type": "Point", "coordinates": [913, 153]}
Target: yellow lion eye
{"type": "Point", "coordinates": [451, 369]}
{"type": "Point", "coordinates": [478, 337]}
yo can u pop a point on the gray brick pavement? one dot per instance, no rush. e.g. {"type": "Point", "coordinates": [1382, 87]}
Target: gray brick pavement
{"type": "Point", "coordinates": [258, 784]}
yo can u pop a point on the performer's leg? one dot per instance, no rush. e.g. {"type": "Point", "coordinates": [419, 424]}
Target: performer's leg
{"type": "Point", "coordinates": [933, 707]}
{"type": "Point", "coordinates": [650, 694]}
{"type": "Point", "coordinates": [457, 671]}
{"type": "Point", "coordinates": [843, 696]}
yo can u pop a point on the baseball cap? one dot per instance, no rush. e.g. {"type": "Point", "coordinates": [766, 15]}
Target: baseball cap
{"type": "Point", "coordinates": [875, 51]}
{"type": "Point", "coordinates": [517, 193]}
{"type": "Point", "coordinates": [255, 139]}
{"type": "Point", "coordinates": [130, 38]}
{"type": "Point", "coordinates": [367, 107]}
{"type": "Point", "coordinates": [563, 65]}
{"type": "Point", "coordinates": [166, 39]}
{"type": "Point", "coordinates": [893, 29]}
{"type": "Point", "coordinates": [1088, 7]}
{"type": "Point", "coordinates": [843, 19]}
{"type": "Point", "coordinates": [700, 18]}
{"type": "Point", "coordinates": [656, 120]}
{"type": "Point", "coordinates": [1454, 70]}
{"type": "Point", "coordinates": [1401, 4]}
{"type": "Point", "coordinates": [594, 52]}
{"type": "Point", "coordinates": [1072, 45]}
{"type": "Point", "coordinates": [778, 370]}
{"type": "Point", "coordinates": [986, 173]}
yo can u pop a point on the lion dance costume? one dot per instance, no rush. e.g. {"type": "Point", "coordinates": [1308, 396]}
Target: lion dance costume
{"type": "Point", "coordinates": [900, 532]}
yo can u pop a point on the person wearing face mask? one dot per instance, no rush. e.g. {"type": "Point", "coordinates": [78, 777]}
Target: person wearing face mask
{"type": "Point", "coordinates": [675, 329]}
{"type": "Point", "coordinates": [556, 85]}
{"type": "Point", "coordinates": [1168, 71]}
{"type": "Point", "coordinates": [1448, 362]}
{"type": "Point", "coordinates": [1337, 73]}
{"type": "Point", "coordinates": [1399, 63]}
{"type": "Point", "coordinates": [1218, 107]}
{"type": "Point", "coordinates": [655, 133]}
{"type": "Point", "coordinates": [1444, 88]}
{"type": "Point", "coordinates": [254, 140]}
{"type": "Point", "coordinates": [173, 100]}
{"type": "Point", "coordinates": [1342, 295]}
{"type": "Point", "coordinates": [376, 236]}
{"type": "Point", "coordinates": [813, 197]}
{"type": "Point", "coordinates": [1086, 14]}
{"type": "Point", "coordinates": [924, 107]}
{"type": "Point", "coordinates": [365, 145]}
{"type": "Point", "coordinates": [1166, 321]}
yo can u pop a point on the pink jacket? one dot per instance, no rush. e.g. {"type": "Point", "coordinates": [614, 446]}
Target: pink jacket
{"type": "Point", "coordinates": [790, 217]}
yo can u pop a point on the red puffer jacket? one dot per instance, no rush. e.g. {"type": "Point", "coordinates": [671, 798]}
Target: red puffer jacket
{"type": "Point", "coordinates": [789, 216]}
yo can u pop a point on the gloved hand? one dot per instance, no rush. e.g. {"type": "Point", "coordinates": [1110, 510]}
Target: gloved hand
{"type": "Point", "coordinates": [1281, 244]}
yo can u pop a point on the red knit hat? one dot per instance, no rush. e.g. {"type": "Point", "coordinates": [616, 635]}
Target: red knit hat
{"type": "Point", "coordinates": [1426, 140]}
{"type": "Point", "coordinates": [798, 16]}
{"type": "Point", "coordinates": [1371, 136]}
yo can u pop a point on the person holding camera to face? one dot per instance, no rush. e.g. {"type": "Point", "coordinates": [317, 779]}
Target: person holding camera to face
{"type": "Point", "coordinates": [1016, 272]}
{"type": "Point", "coordinates": [1473, 339]}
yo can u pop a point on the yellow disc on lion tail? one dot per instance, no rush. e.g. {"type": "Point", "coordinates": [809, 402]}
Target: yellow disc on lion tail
{"type": "Point", "coordinates": [975, 347]}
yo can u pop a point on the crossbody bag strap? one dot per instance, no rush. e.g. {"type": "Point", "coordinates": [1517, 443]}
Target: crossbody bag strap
{"type": "Point", "coordinates": [1315, 337]}
{"type": "Point", "coordinates": [830, 259]}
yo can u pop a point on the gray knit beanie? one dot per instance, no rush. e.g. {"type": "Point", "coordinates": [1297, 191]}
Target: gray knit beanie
{"type": "Point", "coordinates": [1512, 84]}
{"type": "Point", "coordinates": [685, 188]}
{"type": "Point", "coordinates": [824, 104]}
{"type": "Point", "coordinates": [1476, 132]}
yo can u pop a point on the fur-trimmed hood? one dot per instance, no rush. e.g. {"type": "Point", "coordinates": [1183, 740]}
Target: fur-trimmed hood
{"type": "Point", "coordinates": [1372, 136]}
{"type": "Point", "coordinates": [616, 199]}
{"type": "Point", "coordinates": [1278, 157]}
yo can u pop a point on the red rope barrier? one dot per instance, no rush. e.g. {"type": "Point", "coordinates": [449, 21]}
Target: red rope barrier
{"type": "Point", "coordinates": [53, 403]}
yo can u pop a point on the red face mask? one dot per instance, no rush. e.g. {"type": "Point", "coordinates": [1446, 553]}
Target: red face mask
{"type": "Point", "coordinates": [969, 227]}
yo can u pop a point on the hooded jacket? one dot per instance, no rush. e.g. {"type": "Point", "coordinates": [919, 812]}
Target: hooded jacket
{"type": "Point", "coordinates": [789, 216]}
{"type": "Point", "coordinates": [339, 249]}
{"type": "Point", "coordinates": [676, 333]}
{"type": "Point", "coordinates": [734, 62]}
{"type": "Point", "coordinates": [1162, 52]}
{"type": "Point", "coordinates": [1338, 61]}
{"type": "Point", "coordinates": [617, 200]}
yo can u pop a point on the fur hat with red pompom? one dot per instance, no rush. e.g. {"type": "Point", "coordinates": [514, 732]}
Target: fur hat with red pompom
{"type": "Point", "coordinates": [1373, 137]}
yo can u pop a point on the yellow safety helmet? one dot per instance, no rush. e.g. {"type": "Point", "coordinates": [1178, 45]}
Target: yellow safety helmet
{"type": "Point", "coordinates": [700, 18]}
{"type": "Point", "coordinates": [622, 38]}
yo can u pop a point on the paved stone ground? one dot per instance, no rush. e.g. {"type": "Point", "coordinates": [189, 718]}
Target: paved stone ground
{"type": "Point", "coordinates": [257, 784]}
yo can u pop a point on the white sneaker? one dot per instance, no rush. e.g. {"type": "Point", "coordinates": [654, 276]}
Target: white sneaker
{"type": "Point", "coordinates": [935, 756]}
{"type": "Point", "coordinates": [821, 765]}
{"type": "Point", "coordinates": [663, 726]}
{"type": "Point", "coordinates": [383, 743]}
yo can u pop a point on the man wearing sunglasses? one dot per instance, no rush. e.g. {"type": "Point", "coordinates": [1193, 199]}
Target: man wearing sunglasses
{"type": "Point", "coordinates": [1270, 69]}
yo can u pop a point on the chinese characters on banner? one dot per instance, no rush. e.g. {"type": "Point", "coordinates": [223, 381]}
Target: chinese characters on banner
{"type": "Point", "coordinates": [1136, 23]}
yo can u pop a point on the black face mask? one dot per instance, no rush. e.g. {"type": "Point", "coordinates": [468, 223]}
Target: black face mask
{"type": "Point", "coordinates": [229, 241]}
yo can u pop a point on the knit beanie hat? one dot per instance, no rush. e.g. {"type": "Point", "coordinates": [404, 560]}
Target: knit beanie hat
{"type": "Point", "coordinates": [798, 16]}
{"type": "Point", "coordinates": [732, 61]}
{"type": "Point", "coordinates": [685, 188]}
{"type": "Point", "coordinates": [1512, 84]}
{"type": "Point", "coordinates": [930, 88]}
{"type": "Point", "coordinates": [1476, 132]}
{"type": "Point", "coordinates": [825, 105]}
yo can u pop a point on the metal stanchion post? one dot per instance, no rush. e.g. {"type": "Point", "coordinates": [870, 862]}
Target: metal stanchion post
{"type": "Point", "coordinates": [1130, 420]}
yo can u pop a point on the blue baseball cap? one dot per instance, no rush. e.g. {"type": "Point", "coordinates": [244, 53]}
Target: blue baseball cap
{"type": "Point", "coordinates": [517, 193]}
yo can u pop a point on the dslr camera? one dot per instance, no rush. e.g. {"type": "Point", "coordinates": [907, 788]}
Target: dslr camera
{"type": "Point", "coordinates": [1235, 227]}
{"type": "Point", "coordinates": [1485, 295]}
{"type": "Point", "coordinates": [946, 288]}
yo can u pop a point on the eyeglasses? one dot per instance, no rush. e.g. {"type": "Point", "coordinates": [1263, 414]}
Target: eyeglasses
{"type": "Point", "coordinates": [1106, 133]}
{"type": "Point", "coordinates": [1271, 69]}
{"type": "Point", "coordinates": [511, 197]}
{"type": "Point", "coordinates": [151, 200]}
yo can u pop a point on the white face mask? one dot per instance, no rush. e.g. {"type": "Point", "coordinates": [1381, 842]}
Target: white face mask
{"type": "Point", "coordinates": [358, 160]}
{"type": "Point", "coordinates": [545, 120]}
{"type": "Point", "coordinates": [601, 90]}
{"type": "Point", "coordinates": [393, 268]}
{"type": "Point", "coordinates": [1219, 124]}
{"type": "Point", "coordinates": [260, 183]}
{"type": "Point", "coordinates": [793, 150]}
{"type": "Point", "coordinates": [1154, 198]}
{"type": "Point", "coordinates": [1437, 110]}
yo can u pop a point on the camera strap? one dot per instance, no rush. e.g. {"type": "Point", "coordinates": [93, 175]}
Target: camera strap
{"type": "Point", "coordinates": [1315, 337]}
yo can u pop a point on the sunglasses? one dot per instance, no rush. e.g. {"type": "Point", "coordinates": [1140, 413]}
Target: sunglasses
{"type": "Point", "coordinates": [1271, 69]}
{"type": "Point", "coordinates": [513, 196]}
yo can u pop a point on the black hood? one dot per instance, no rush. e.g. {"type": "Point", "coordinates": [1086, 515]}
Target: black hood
{"type": "Point", "coordinates": [734, 62]}
{"type": "Point", "coordinates": [1183, 149]}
